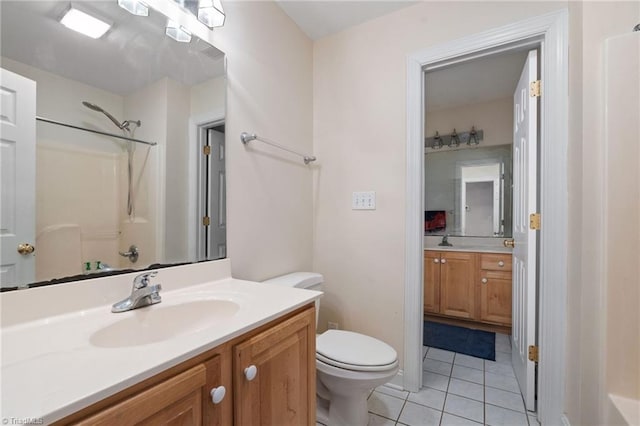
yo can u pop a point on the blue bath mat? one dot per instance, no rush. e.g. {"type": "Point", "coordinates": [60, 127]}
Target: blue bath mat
{"type": "Point", "coordinates": [478, 343]}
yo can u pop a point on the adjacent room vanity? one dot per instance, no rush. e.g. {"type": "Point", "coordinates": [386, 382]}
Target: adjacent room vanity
{"type": "Point", "coordinates": [215, 351]}
{"type": "Point", "coordinates": [469, 287]}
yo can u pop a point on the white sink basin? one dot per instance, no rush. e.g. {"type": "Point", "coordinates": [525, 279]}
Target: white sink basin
{"type": "Point", "coordinates": [157, 323]}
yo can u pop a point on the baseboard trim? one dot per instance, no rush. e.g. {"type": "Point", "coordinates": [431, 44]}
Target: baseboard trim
{"type": "Point", "coordinates": [397, 382]}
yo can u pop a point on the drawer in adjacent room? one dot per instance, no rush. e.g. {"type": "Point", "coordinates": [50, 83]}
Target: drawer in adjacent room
{"type": "Point", "coordinates": [495, 261]}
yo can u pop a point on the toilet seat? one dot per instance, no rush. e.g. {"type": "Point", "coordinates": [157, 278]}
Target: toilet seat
{"type": "Point", "coordinates": [354, 351]}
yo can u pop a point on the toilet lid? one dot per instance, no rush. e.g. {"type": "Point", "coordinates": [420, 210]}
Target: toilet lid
{"type": "Point", "coordinates": [354, 351]}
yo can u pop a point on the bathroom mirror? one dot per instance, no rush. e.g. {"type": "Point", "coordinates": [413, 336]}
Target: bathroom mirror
{"type": "Point", "coordinates": [468, 192]}
{"type": "Point", "coordinates": [104, 203]}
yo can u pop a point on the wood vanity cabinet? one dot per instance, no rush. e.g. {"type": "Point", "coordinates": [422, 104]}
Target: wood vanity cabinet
{"type": "Point", "coordinates": [448, 283]}
{"type": "Point", "coordinates": [468, 286]}
{"type": "Point", "coordinates": [432, 282]}
{"type": "Point", "coordinates": [495, 288]}
{"type": "Point", "coordinates": [282, 391]}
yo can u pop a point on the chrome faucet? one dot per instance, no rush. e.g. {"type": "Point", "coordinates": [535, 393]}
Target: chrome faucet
{"type": "Point", "coordinates": [445, 241]}
{"type": "Point", "coordinates": [142, 294]}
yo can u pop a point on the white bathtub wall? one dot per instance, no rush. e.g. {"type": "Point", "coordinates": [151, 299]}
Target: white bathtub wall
{"type": "Point", "coordinates": [79, 187]}
{"type": "Point", "coordinates": [145, 228]}
{"type": "Point", "coordinates": [622, 235]}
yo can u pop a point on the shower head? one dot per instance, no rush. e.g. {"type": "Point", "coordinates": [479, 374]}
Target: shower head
{"type": "Point", "coordinates": [95, 107]}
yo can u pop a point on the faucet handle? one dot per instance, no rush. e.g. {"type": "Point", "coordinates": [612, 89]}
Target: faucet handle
{"type": "Point", "coordinates": [142, 280]}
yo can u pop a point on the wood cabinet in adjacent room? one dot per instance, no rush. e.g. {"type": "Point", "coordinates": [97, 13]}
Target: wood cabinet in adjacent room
{"type": "Point", "coordinates": [448, 283]}
{"type": "Point", "coordinates": [468, 286]}
{"type": "Point", "coordinates": [495, 288]}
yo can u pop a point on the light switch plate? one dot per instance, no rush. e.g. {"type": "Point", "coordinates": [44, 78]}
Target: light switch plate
{"type": "Point", "coordinates": [365, 200]}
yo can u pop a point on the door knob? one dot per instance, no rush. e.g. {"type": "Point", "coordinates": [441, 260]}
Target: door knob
{"type": "Point", "coordinates": [509, 243]}
{"type": "Point", "coordinates": [484, 280]}
{"type": "Point", "coordinates": [443, 261]}
{"type": "Point", "coordinates": [25, 249]}
{"type": "Point", "coordinates": [436, 260]}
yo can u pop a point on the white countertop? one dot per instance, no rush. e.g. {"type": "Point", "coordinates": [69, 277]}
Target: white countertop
{"type": "Point", "coordinates": [470, 244]}
{"type": "Point", "coordinates": [50, 369]}
{"type": "Point", "coordinates": [474, 249]}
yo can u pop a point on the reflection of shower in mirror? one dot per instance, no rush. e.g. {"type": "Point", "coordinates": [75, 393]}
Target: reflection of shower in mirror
{"type": "Point", "coordinates": [125, 127]}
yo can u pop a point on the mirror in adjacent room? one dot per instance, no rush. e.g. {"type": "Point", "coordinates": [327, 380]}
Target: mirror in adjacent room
{"type": "Point", "coordinates": [468, 181]}
{"type": "Point", "coordinates": [104, 203]}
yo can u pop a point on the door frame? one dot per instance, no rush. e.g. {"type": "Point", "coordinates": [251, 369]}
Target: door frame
{"type": "Point", "coordinates": [197, 124]}
{"type": "Point", "coordinates": [550, 31]}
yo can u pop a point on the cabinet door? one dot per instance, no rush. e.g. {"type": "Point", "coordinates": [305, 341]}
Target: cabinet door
{"type": "Point", "coordinates": [176, 401]}
{"type": "Point", "coordinates": [282, 390]}
{"type": "Point", "coordinates": [432, 282]}
{"type": "Point", "coordinates": [495, 297]}
{"type": "Point", "coordinates": [218, 412]}
{"type": "Point", "coordinates": [457, 296]}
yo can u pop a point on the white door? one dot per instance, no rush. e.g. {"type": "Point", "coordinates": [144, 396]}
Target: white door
{"type": "Point", "coordinates": [524, 252]}
{"type": "Point", "coordinates": [17, 174]}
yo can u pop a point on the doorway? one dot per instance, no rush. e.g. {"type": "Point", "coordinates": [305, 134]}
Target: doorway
{"type": "Point", "coordinates": [483, 185]}
{"type": "Point", "coordinates": [549, 31]}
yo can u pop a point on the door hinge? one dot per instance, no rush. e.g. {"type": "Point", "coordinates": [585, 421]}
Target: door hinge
{"type": "Point", "coordinates": [534, 221]}
{"type": "Point", "coordinates": [533, 353]}
{"type": "Point", "coordinates": [206, 221]}
{"type": "Point", "coordinates": [206, 150]}
{"type": "Point", "coordinates": [534, 89]}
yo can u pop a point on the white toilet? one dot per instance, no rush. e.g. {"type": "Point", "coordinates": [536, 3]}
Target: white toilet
{"type": "Point", "coordinates": [348, 364]}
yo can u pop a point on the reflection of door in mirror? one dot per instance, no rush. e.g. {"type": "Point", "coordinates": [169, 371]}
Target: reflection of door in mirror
{"type": "Point", "coordinates": [480, 204]}
{"type": "Point", "coordinates": [85, 181]}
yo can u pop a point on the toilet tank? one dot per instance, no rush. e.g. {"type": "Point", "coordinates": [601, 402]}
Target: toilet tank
{"type": "Point", "coordinates": [306, 280]}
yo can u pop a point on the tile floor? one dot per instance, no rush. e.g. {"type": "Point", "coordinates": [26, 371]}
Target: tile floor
{"type": "Point", "coordinates": [457, 390]}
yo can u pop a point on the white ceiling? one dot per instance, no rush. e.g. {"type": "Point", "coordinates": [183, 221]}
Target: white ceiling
{"type": "Point", "coordinates": [474, 81]}
{"type": "Point", "coordinates": [133, 53]}
{"type": "Point", "coordinates": [322, 18]}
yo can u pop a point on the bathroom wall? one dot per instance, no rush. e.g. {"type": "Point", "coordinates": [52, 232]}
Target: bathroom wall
{"type": "Point", "coordinates": [360, 135]}
{"type": "Point", "coordinates": [494, 117]}
{"type": "Point", "coordinates": [598, 352]}
{"type": "Point", "coordinates": [77, 195]}
{"type": "Point", "coordinates": [269, 192]}
{"type": "Point", "coordinates": [208, 96]}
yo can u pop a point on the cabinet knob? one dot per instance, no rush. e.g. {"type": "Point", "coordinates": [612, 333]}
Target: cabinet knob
{"type": "Point", "coordinates": [501, 263]}
{"type": "Point", "coordinates": [251, 372]}
{"type": "Point", "coordinates": [436, 260]}
{"type": "Point", "coordinates": [443, 260]}
{"type": "Point", "coordinates": [217, 394]}
{"type": "Point", "coordinates": [484, 280]}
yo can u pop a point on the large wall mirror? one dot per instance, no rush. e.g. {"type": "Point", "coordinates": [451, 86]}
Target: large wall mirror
{"type": "Point", "coordinates": [469, 116]}
{"type": "Point", "coordinates": [469, 190]}
{"type": "Point", "coordinates": [129, 158]}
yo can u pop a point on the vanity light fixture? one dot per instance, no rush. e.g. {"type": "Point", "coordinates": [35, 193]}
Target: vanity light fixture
{"type": "Point", "coordinates": [210, 13]}
{"type": "Point", "coordinates": [455, 139]}
{"type": "Point", "coordinates": [84, 23]}
{"type": "Point", "coordinates": [473, 137]}
{"type": "Point", "coordinates": [135, 7]}
{"type": "Point", "coordinates": [437, 141]}
{"type": "Point", "coordinates": [177, 32]}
